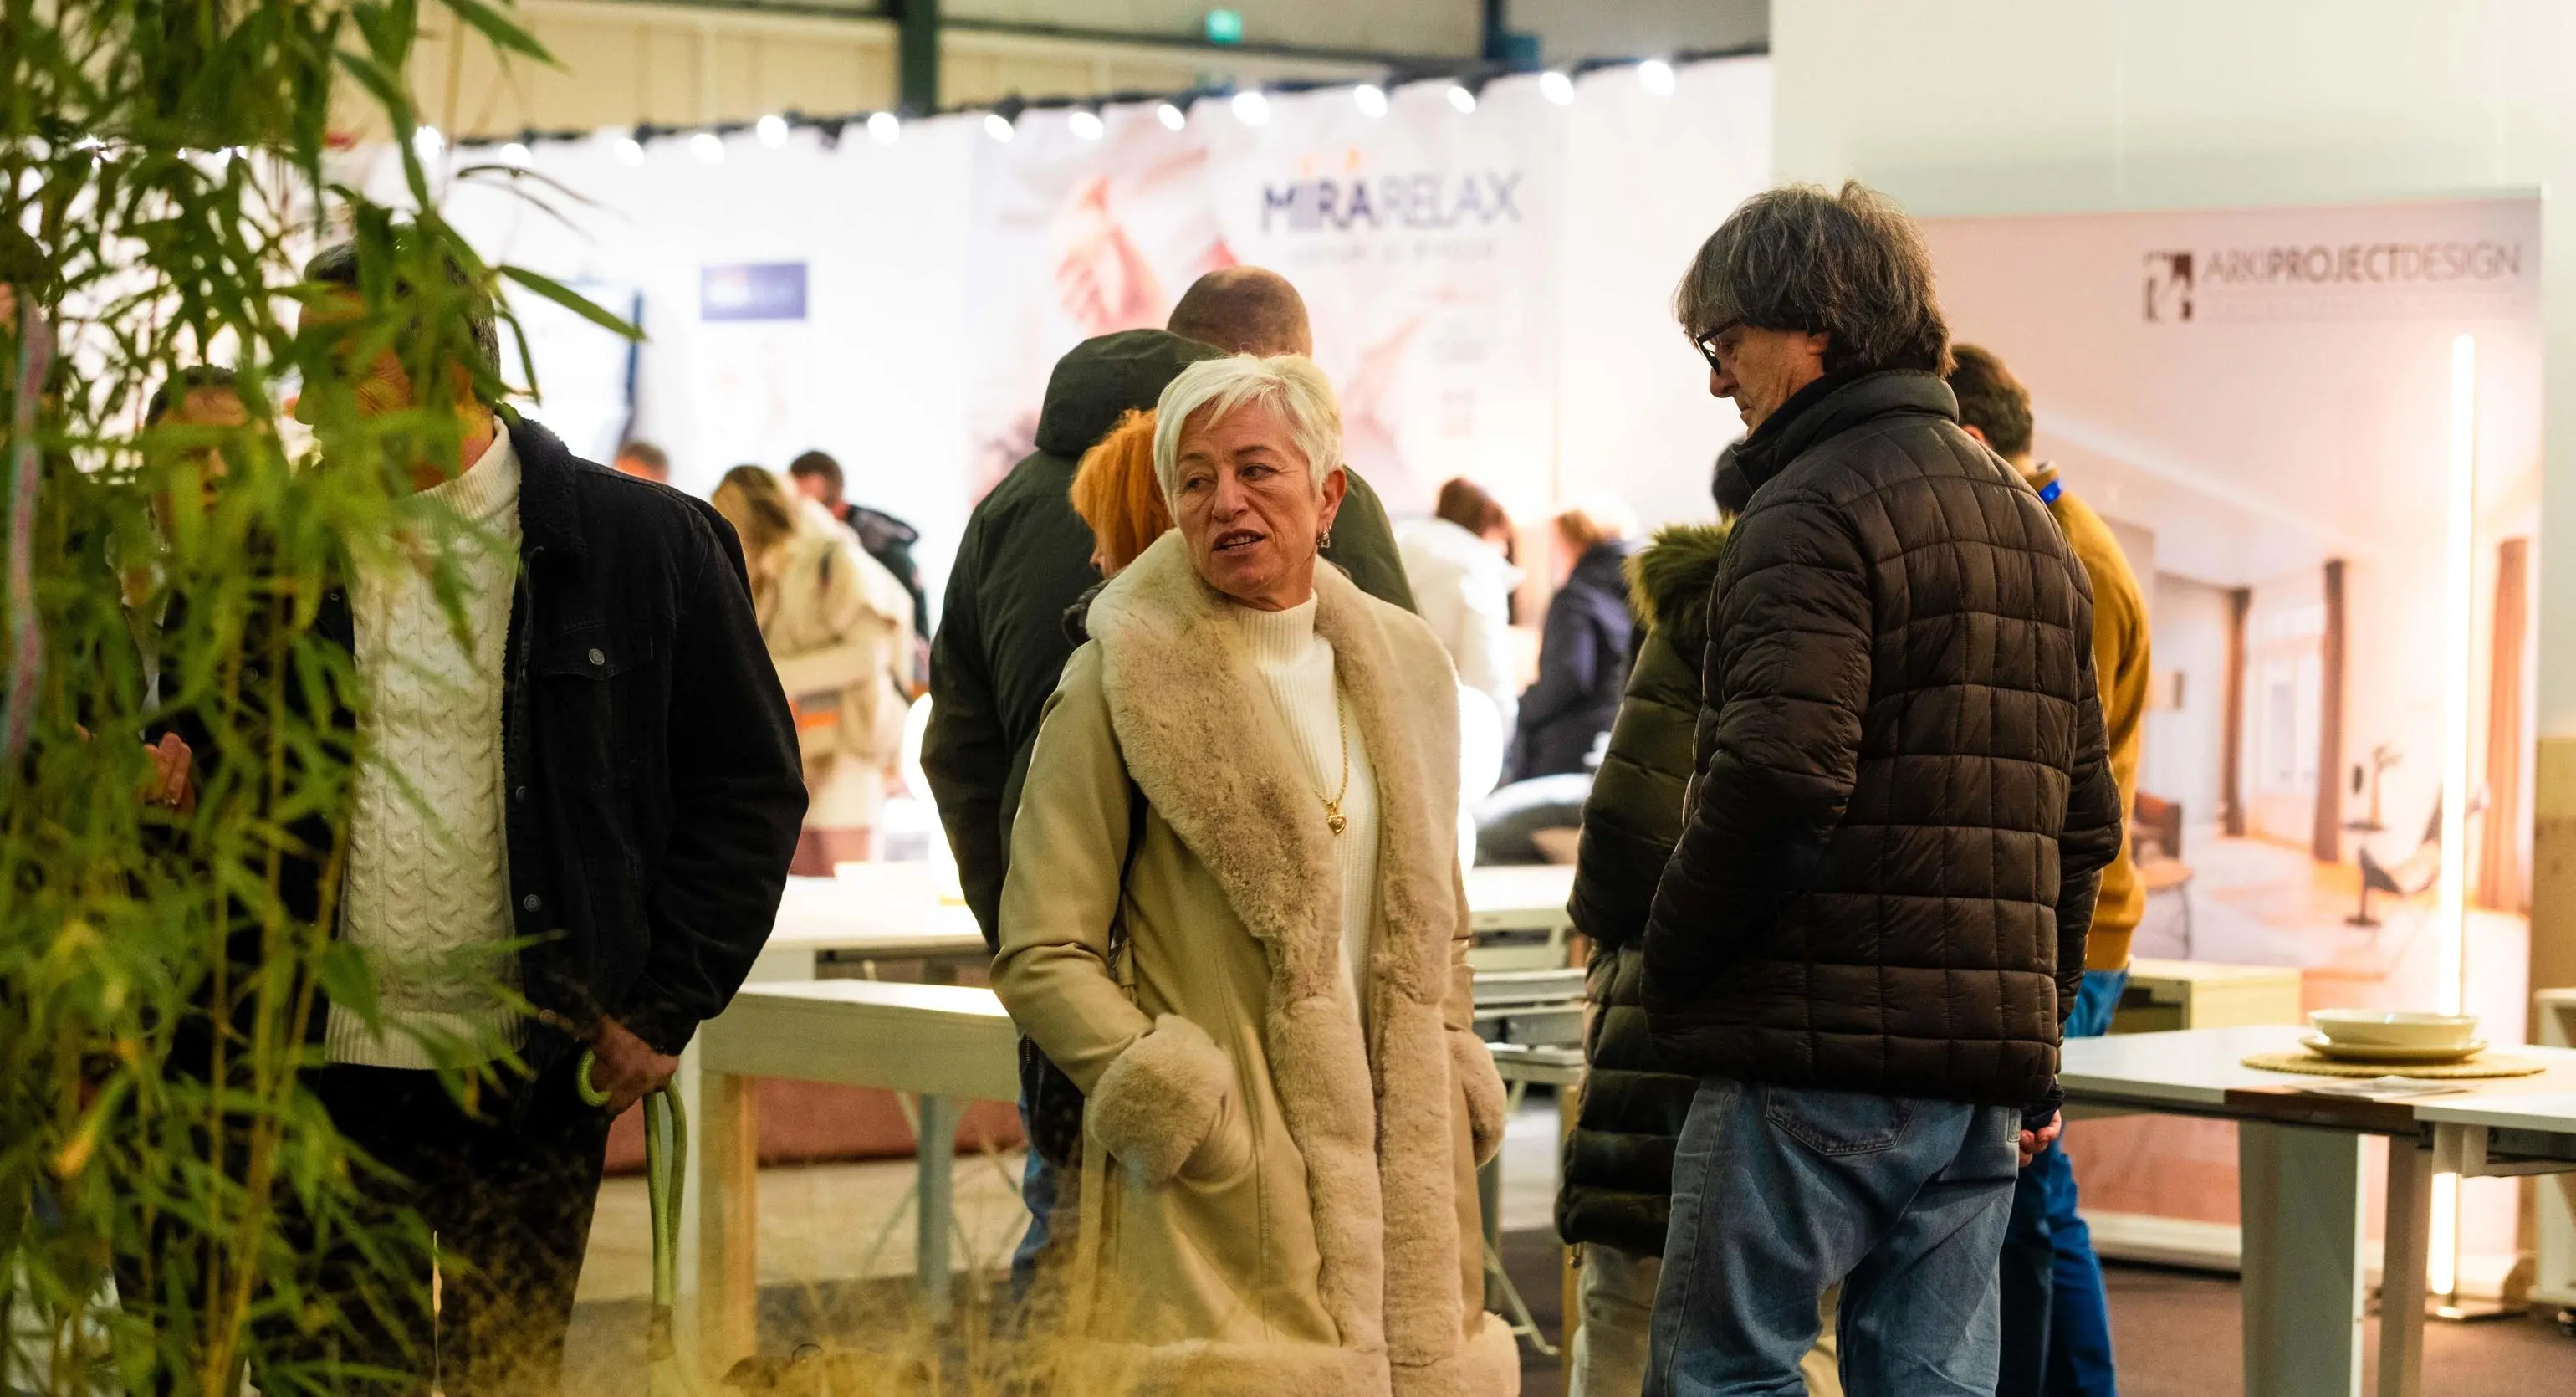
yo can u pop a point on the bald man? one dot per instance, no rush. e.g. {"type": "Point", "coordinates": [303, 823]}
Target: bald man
{"type": "Point", "coordinates": [1254, 310]}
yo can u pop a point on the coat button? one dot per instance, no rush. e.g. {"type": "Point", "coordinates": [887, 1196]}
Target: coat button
{"type": "Point", "coordinates": [520, 795]}
{"type": "Point", "coordinates": [532, 902]}
{"type": "Point", "coordinates": [598, 657]}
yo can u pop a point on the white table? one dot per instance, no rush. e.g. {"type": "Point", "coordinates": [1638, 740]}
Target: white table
{"type": "Point", "coordinates": [2300, 1185]}
{"type": "Point", "coordinates": [940, 1043]}
{"type": "Point", "coordinates": [876, 912]}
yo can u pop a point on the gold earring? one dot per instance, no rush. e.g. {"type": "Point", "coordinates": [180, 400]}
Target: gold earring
{"type": "Point", "coordinates": [1324, 540]}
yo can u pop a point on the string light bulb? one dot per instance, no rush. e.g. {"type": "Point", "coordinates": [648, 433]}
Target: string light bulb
{"type": "Point", "coordinates": [1250, 107]}
{"type": "Point", "coordinates": [1171, 115]}
{"type": "Point", "coordinates": [708, 147]}
{"type": "Point", "coordinates": [515, 153]}
{"type": "Point", "coordinates": [885, 128]}
{"type": "Point", "coordinates": [1370, 98]}
{"type": "Point", "coordinates": [630, 151]}
{"type": "Point", "coordinates": [1087, 124]}
{"type": "Point", "coordinates": [772, 130]}
{"type": "Point", "coordinates": [1460, 99]}
{"type": "Point", "coordinates": [998, 127]}
{"type": "Point", "coordinates": [1657, 76]}
{"type": "Point", "coordinates": [1556, 87]}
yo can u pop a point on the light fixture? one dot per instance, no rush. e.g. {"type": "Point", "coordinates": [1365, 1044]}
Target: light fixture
{"type": "Point", "coordinates": [885, 128]}
{"type": "Point", "coordinates": [630, 151]}
{"type": "Point", "coordinates": [772, 130]}
{"type": "Point", "coordinates": [708, 147]}
{"type": "Point", "coordinates": [1250, 107]}
{"type": "Point", "coordinates": [427, 143]}
{"type": "Point", "coordinates": [1086, 124]}
{"type": "Point", "coordinates": [1657, 76]}
{"type": "Point", "coordinates": [515, 153]}
{"type": "Point", "coordinates": [997, 126]}
{"type": "Point", "coordinates": [1370, 98]}
{"type": "Point", "coordinates": [2459, 625]}
{"type": "Point", "coordinates": [1461, 99]}
{"type": "Point", "coordinates": [1556, 87]}
{"type": "Point", "coordinates": [1171, 115]}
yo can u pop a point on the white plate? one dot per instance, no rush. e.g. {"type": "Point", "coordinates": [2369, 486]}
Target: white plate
{"type": "Point", "coordinates": [2323, 1046]}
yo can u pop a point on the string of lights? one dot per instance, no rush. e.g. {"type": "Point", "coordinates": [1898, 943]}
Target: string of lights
{"type": "Point", "coordinates": [1250, 104]}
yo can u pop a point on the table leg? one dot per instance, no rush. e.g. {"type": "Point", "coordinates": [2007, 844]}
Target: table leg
{"type": "Point", "coordinates": [2401, 1276]}
{"type": "Point", "coordinates": [936, 1138]}
{"type": "Point", "coordinates": [2301, 1195]}
{"type": "Point", "coordinates": [1489, 1207]}
{"type": "Point", "coordinates": [1569, 1098]}
{"type": "Point", "coordinates": [728, 1161]}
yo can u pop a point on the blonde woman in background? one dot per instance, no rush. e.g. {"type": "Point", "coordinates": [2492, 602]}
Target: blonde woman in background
{"type": "Point", "coordinates": [839, 628]}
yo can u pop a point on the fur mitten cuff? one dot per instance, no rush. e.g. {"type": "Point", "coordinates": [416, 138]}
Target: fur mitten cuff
{"type": "Point", "coordinates": [1157, 1103]}
{"type": "Point", "coordinates": [1473, 1065]}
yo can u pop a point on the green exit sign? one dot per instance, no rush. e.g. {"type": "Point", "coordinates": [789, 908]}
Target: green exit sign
{"type": "Point", "coordinates": [1225, 26]}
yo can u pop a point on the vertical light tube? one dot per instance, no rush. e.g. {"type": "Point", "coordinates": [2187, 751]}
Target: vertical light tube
{"type": "Point", "coordinates": [2459, 613]}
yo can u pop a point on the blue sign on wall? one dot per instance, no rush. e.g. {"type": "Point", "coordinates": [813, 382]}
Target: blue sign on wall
{"type": "Point", "coordinates": [752, 291]}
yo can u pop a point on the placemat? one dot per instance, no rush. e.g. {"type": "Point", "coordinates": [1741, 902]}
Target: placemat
{"type": "Point", "coordinates": [2483, 1065]}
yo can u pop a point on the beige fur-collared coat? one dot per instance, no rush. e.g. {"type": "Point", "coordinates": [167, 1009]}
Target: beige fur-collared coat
{"type": "Point", "coordinates": [1273, 1201]}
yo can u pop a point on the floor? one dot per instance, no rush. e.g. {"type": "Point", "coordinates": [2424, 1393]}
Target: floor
{"type": "Point", "coordinates": [836, 1253]}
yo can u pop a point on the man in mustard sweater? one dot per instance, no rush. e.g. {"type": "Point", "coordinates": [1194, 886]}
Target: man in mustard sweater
{"type": "Point", "coordinates": [2057, 1327]}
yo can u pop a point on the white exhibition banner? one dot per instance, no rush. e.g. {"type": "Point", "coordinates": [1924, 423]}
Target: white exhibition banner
{"type": "Point", "coordinates": [1490, 290]}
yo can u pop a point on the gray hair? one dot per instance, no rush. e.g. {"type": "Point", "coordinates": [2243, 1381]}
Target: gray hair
{"type": "Point", "coordinates": [337, 265]}
{"type": "Point", "coordinates": [1289, 382]}
{"type": "Point", "coordinates": [1851, 267]}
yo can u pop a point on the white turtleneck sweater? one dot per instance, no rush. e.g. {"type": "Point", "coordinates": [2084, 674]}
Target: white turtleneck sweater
{"type": "Point", "coordinates": [427, 892]}
{"type": "Point", "coordinates": [1295, 666]}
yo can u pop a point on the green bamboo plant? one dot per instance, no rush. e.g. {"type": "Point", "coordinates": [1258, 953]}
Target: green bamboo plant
{"type": "Point", "coordinates": [165, 166]}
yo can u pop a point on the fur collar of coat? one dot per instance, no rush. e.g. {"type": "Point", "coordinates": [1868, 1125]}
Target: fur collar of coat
{"type": "Point", "coordinates": [1371, 1112]}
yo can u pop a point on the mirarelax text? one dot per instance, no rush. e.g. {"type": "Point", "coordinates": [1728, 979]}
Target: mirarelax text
{"type": "Point", "coordinates": [1393, 201]}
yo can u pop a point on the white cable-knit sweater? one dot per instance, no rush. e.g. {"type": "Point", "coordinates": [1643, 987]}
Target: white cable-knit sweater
{"type": "Point", "coordinates": [427, 892]}
{"type": "Point", "coordinates": [1296, 667]}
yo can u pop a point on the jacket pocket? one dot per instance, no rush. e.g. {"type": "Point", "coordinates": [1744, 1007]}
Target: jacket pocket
{"type": "Point", "coordinates": [1837, 1123]}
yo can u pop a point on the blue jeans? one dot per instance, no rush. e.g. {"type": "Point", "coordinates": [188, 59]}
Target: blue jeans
{"type": "Point", "coordinates": [1779, 1193]}
{"type": "Point", "coordinates": [1037, 1191]}
{"type": "Point", "coordinates": [2057, 1322]}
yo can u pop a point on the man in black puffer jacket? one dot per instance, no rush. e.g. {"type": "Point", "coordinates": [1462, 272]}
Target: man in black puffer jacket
{"type": "Point", "coordinates": [1869, 934]}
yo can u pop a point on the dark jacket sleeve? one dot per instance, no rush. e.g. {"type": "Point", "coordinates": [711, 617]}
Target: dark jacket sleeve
{"type": "Point", "coordinates": [966, 751]}
{"type": "Point", "coordinates": [1364, 546]}
{"type": "Point", "coordinates": [1634, 814]}
{"type": "Point", "coordinates": [1778, 750]}
{"type": "Point", "coordinates": [737, 796]}
{"type": "Point", "coordinates": [2091, 837]}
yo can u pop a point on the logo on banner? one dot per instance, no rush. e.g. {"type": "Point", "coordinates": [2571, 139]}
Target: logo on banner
{"type": "Point", "coordinates": [2168, 286]}
{"type": "Point", "coordinates": [2332, 281]}
{"type": "Point", "coordinates": [752, 291]}
{"type": "Point", "coordinates": [1427, 202]}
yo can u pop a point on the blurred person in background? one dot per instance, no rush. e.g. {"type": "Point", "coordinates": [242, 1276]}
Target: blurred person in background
{"type": "Point", "coordinates": [1234, 918]}
{"type": "Point", "coordinates": [1872, 924]}
{"type": "Point", "coordinates": [1458, 561]}
{"type": "Point", "coordinates": [839, 628]}
{"type": "Point", "coordinates": [1584, 645]}
{"type": "Point", "coordinates": [887, 539]}
{"type": "Point", "coordinates": [644, 461]}
{"type": "Point", "coordinates": [602, 839]}
{"type": "Point", "coordinates": [2057, 1320]}
{"type": "Point", "coordinates": [1001, 645]}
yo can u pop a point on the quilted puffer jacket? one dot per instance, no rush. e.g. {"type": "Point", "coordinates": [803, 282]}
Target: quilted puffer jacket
{"type": "Point", "coordinates": [1618, 1174]}
{"type": "Point", "coordinates": [1902, 806]}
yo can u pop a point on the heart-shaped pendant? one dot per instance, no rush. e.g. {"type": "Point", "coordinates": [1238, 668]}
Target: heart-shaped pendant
{"type": "Point", "coordinates": [1334, 821]}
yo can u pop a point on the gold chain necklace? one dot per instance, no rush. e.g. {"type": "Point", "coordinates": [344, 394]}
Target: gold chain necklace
{"type": "Point", "coordinates": [1334, 820]}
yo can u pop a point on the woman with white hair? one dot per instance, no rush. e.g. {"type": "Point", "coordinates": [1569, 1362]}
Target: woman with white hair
{"type": "Point", "coordinates": [1234, 917]}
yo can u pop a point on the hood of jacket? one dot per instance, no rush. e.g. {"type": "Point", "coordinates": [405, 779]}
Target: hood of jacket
{"type": "Point", "coordinates": [1831, 404]}
{"type": "Point", "coordinates": [1104, 377]}
{"type": "Point", "coordinates": [1669, 581]}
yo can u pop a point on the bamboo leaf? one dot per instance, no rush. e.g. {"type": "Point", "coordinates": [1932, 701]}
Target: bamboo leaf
{"type": "Point", "coordinates": [572, 300]}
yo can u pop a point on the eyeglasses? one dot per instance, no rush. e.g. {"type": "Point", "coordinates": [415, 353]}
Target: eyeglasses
{"type": "Point", "coordinates": [1709, 344]}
